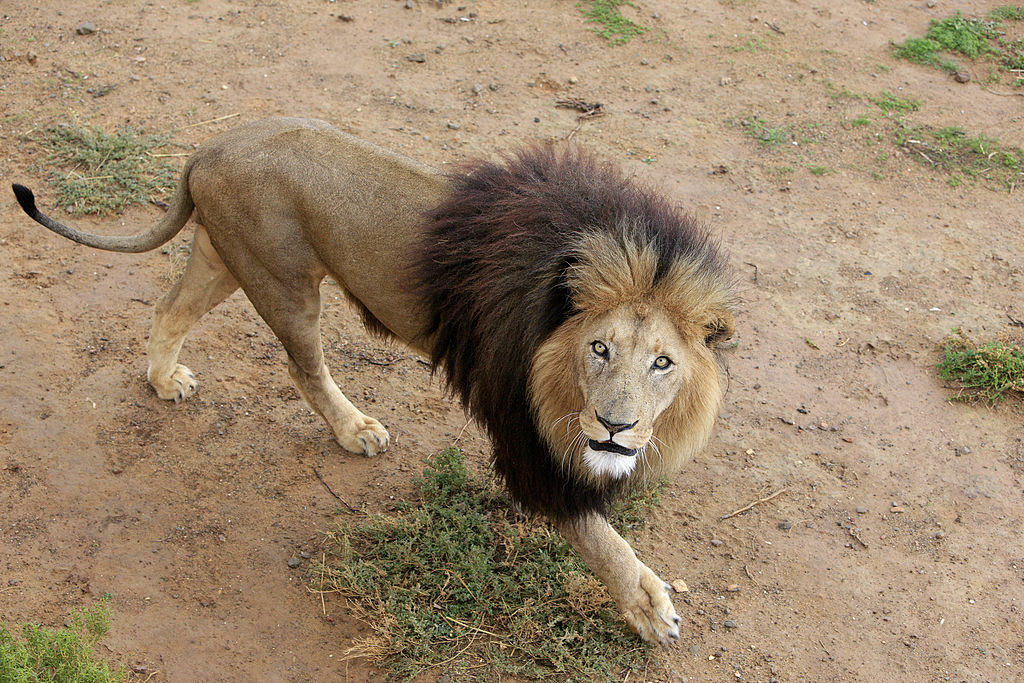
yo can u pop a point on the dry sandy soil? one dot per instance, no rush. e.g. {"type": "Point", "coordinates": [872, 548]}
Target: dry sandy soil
{"type": "Point", "coordinates": [895, 551]}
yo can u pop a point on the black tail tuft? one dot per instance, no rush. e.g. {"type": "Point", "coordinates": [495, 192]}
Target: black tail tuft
{"type": "Point", "coordinates": [25, 198]}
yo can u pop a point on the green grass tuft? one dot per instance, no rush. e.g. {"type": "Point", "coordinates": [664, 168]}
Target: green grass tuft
{"type": "Point", "coordinates": [763, 132]}
{"type": "Point", "coordinates": [96, 173]}
{"type": "Point", "coordinates": [611, 24]}
{"type": "Point", "coordinates": [970, 38]}
{"type": "Point", "coordinates": [890, 103]}
{"type": "Point", "coordinates": [64, 655]}
{"type": "Point", "coordinates": [1007, 13]}
{"type": "Point", "coordinates": [977, 157]}
{"type": "Point", "coordinates": [991, 371]}
{"type": "Point", "coordinates": [455, 582]}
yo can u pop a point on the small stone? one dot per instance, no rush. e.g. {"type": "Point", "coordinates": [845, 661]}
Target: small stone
{"type": "Point", "coordinates": [715, 542]}
{"type": "Point", "coordinates": [536, 119]}
{"type": "Point", "coordinates": [31, 57]}
{"type": "Point", "coordinates": [962, 77]}
{"type": "Point", "coordinates": [679, 586]}
{"type": "Point", "coordinates": [940, 534]}
{"type": "Point", "coordinates": [12, 582]}
{"type": "Point", "coordinates": [419, 58]}
{"type": "Point", "coordinates": [573, 80]}
{"type": "Point", "coordinates": [694, 650]}
{"type": "Point", "coordinates": [453, 125]}
{"type": "Point", "coordinates": [861, 510]}
{"type": "Point", "coordinates": [897, 508]}
{"type": "Point", "coordinates": [785, 525]}
{"type": "Point", "coordinates": [85, 29]}
{"type": "Point", "coordinates": [304, 555]}
{"type": "Point", "coordinates": [294, 562]}
{"type": "Point", "coordinates": [477, 88]}
{"type": "Point", "coordinates": [733, 588]}
{"type": "Point", "coordinates": [731, 623]}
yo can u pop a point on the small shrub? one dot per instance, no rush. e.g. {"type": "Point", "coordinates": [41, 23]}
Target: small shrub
{"type": "Point", "coordinates": [64, 655]}
{"type": "Point", "coordinates": [95, 172]}
{"type": "Point", "coordinates": [992, 371]}
{"type": "Point", "coordinates": [456, 582]}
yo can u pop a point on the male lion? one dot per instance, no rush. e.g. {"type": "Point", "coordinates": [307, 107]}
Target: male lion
{"type": "Point", "coordinates": [574, 312]}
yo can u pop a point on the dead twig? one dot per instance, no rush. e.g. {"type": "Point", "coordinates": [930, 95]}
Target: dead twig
{"type": "Point", "coordinates": [382, 363]}
{"type": "Point", "coordinates": [462, 431]}
{"type": "Point", "coordinates": [331, 491]}
{"type": "Point", "coordinates": [203, 123]}
{"type": "Point", "coordinates": [754, 504]}
{"type": "Point", "coordinates": [589, 110]}
{"type": "Point", "coordinates": [1003, 94]}
{"type": "Point", "coordinates": [854, 536]}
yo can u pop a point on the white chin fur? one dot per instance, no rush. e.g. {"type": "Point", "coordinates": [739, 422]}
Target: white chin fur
{"type": "Point", "coordinates": [606, 464]}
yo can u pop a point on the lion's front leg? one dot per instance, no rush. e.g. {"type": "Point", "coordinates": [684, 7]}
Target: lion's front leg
{"type": "Point", "coordinates": [639, 593]}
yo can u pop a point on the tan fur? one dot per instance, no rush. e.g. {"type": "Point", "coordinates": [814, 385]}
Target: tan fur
{"type": "Point", "coordinates": [282, 203]}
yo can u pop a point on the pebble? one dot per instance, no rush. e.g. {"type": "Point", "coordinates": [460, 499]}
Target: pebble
{"type": "Point", "coordinates": [861, 510]}
{"type": "Point", "coordinates": [940, 534]}
{"type": "Point", "coordinates": [419, 57]}
{"type": "Point", "coordinates": [453, 125]}
{"type": "Point", "coordinates": [731, 623]}
{"type": "Point", "coordinates": [785, 525]}
{"type": "Point", "coordinates": [679, 586]}
{"type": "Point", "coordinates": [304, 555]}
{"type": "Point", "coordinates": [733, 588]}
{"type": "Point", "coordinates": [12, 582]}
{"type": "Point", "coordinates": [715, 542]}
{"type": "Point", "coordinates": [85, 29]}
{"type": "Point", "coordinates": [477, 88]}
{"type": "Point", "coordinates": [294, 562]}
{"type": "Point", "coordinates": [962, 77]}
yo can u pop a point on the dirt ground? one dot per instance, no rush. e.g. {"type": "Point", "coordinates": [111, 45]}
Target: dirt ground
{"type": "Point", "coordinates": [894, 550]}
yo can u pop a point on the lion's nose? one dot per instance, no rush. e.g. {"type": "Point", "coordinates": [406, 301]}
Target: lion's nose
{"type": "Point", "coordinates": [614, 427]}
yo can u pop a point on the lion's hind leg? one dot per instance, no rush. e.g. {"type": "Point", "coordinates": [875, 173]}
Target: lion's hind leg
{"type": "Point", "coordinates": [205, 283]}
{"type": "Point", "coordinates": [289, 301]}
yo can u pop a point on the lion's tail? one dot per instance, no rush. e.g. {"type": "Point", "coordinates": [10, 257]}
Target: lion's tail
{"type": "Point", "coordinates": [169, 226]}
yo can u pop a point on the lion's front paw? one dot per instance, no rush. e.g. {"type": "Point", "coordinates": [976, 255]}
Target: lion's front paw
{"type": "Point", "coordinates": [649, 611]}
{"type": "Point", "coordinates": [177, 386]}
{"type": "Point", "coordinates": [365, 436]}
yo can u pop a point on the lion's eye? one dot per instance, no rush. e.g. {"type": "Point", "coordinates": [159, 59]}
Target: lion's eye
{"type": "Point", "coordinates": [662, 362]}
{"type": "Point", "coordinates": [599, 349]}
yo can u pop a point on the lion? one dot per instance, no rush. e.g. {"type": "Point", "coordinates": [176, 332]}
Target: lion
{"type": "Point", "coordinates": [575, 313]}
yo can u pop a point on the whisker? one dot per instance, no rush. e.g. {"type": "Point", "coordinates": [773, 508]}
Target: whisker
{"type": "Point", "coordinates": [657, 451]}
{"type": "Point", "coordinates": [573, 444]}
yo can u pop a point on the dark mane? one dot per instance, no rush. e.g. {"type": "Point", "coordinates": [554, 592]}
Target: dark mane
{"type": "Point", "coordinates": [492, 273]}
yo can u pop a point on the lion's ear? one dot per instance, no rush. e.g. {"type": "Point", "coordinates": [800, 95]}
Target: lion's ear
{"type": "Point", "coordinates": [719, 328]}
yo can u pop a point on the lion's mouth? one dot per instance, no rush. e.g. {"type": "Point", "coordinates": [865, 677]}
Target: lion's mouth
{"type": "Point", "coordinates": [611, 447]}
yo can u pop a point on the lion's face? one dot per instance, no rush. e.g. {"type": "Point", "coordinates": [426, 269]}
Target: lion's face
{"type": "Point", "coordinates": [626, 392]}
{"type": "Point", "coordinates": [629, 372]}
